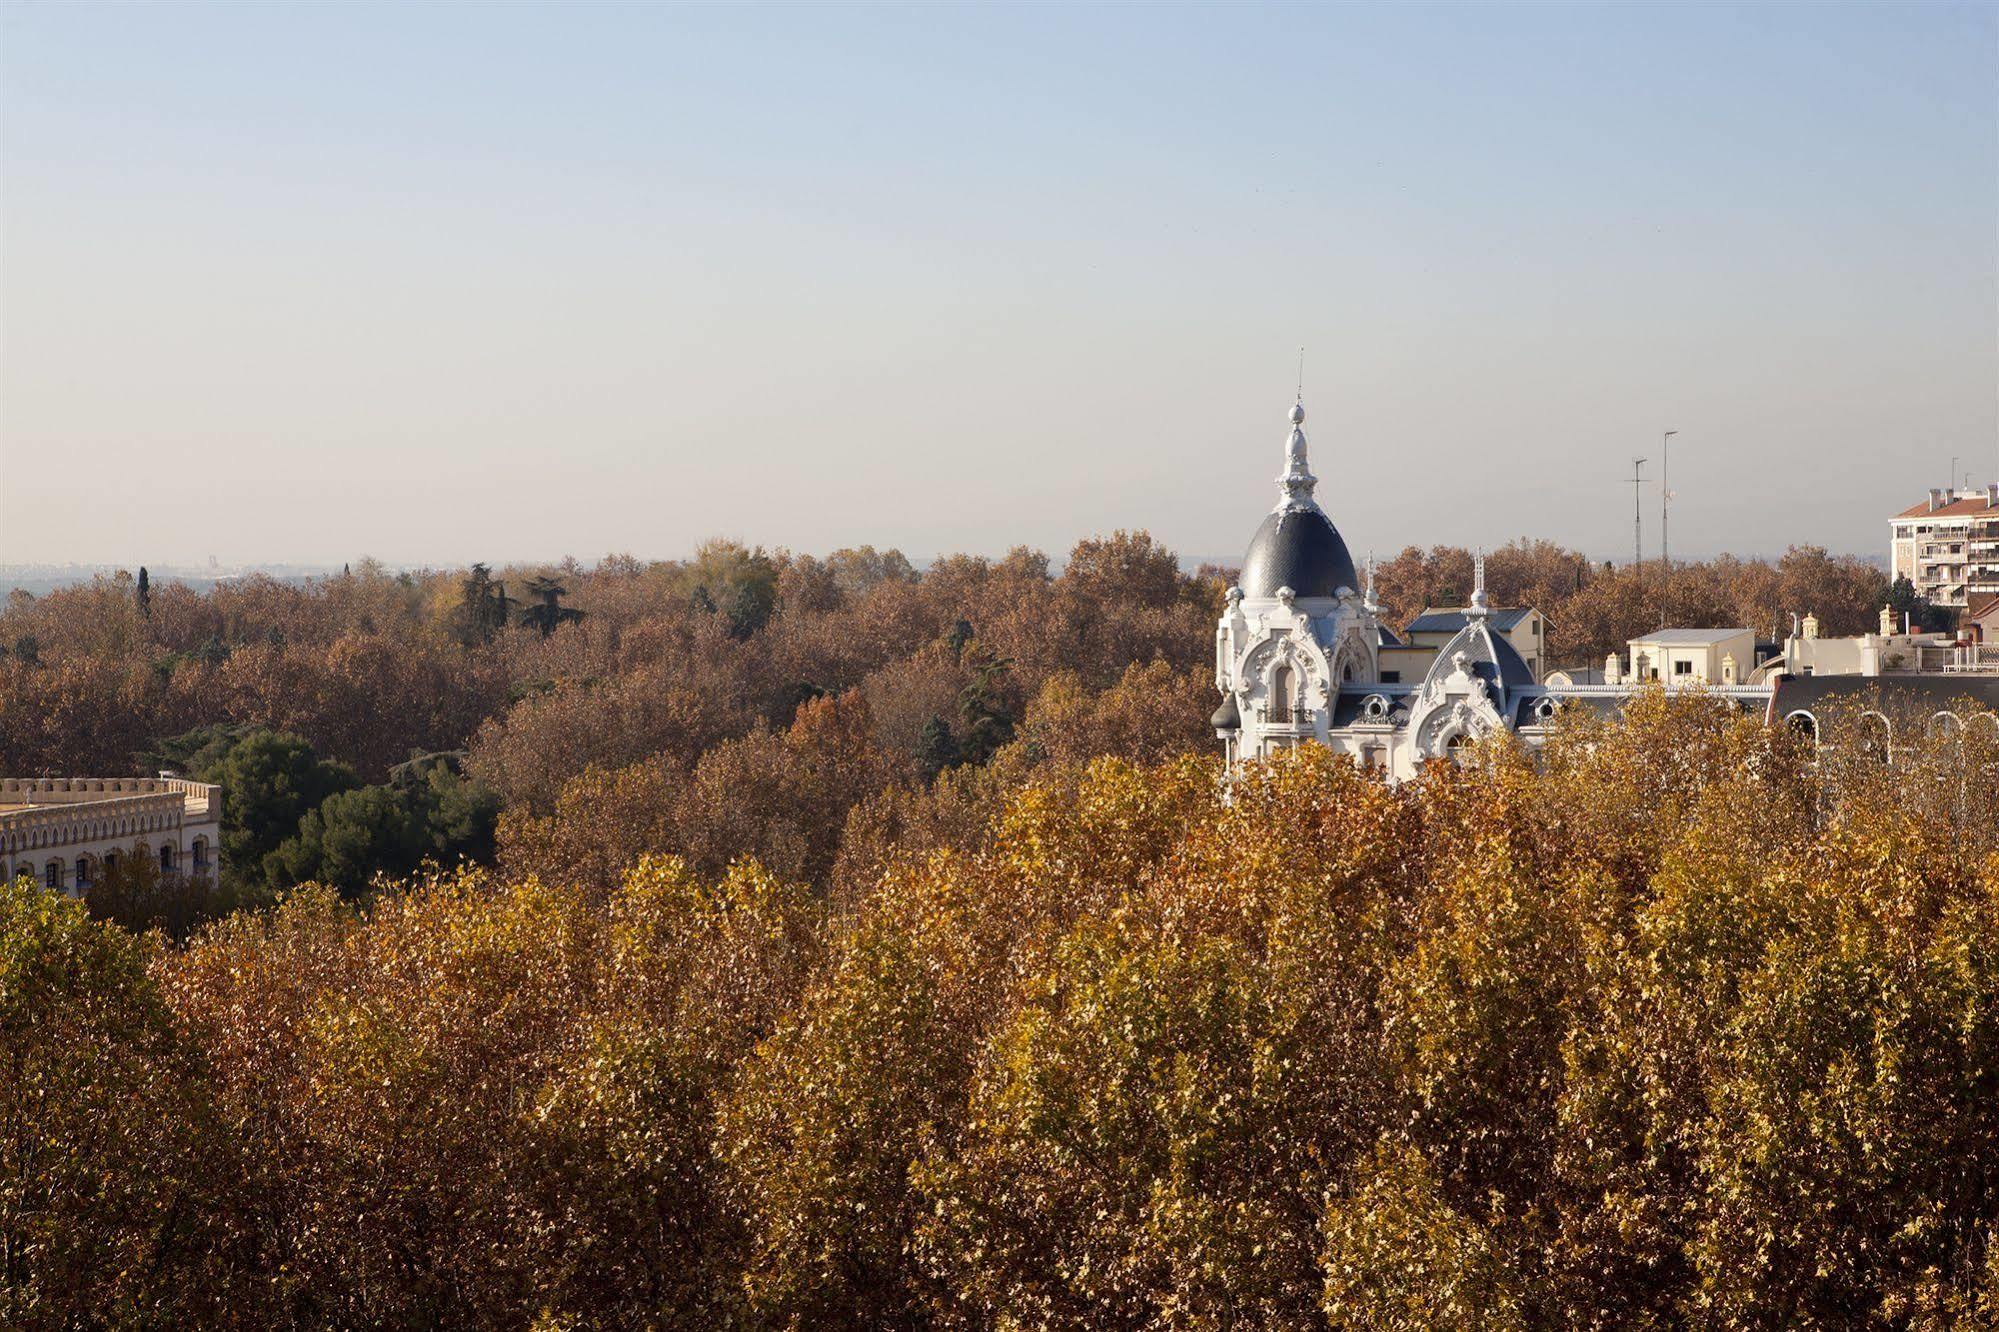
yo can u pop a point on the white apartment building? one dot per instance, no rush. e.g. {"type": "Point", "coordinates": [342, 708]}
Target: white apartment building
{"type": "Point", "coordinates": [63, 831]}
{"type": "Point", "coordinates": [1948, 546]}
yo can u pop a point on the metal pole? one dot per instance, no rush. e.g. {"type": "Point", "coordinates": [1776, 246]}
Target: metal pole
{"type": "Point", "coordinates": [1637, 514]}
{"type": "Point", "coordinates": [1665, 550]}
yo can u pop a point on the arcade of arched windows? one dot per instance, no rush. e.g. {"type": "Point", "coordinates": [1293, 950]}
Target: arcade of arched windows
{"type": "Point", "coordinates": [1874, 734]}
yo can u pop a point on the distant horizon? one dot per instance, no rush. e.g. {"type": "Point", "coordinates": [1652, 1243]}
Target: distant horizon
{"type": "Point", "coordinates": [70, 573]}
{"type": "Point", "coordinates": [297, 281]}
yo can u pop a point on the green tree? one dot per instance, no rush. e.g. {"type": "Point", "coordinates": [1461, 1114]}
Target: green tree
{"type": "Point", "coordinates": [986, 716]}
{"type": "Point", "coordinates": [144, 594]}
{"type": "Point", "coordinates": [428, 811]}
{"type": "Point", "coordinates": [936, 749]}
{"type": "Point", "coordinates": [270, 781]}
{"type": "Point", "coordinates": [1924, 615]}
{"type": "Point", "coordinates": [349, 839]}
{"type": "Point", "coordinates": [483, 606]}
{"type": "Point", "coordinates": [546, 613]}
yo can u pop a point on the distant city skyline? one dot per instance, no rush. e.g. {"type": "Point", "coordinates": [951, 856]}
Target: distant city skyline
{"type": "Point", "coordinates": [298, 285]}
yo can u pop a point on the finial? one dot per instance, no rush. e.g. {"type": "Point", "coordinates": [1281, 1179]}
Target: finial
{"type": "Point", "coordinates": [1479, 606]}
{"type": "Point", "coordinates": [1297, 479]}
{"type": "Point", "coordinates": [1301, 374]}
{"type": "Point", "coordinates": [1368, 603]}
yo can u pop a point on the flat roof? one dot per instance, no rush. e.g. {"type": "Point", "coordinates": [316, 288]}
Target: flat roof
{"type": "Point", "coordinates": [1691, 637]}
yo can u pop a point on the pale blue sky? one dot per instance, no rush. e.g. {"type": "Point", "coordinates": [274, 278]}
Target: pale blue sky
{"type": "Point", "coordinates": [441, 284]}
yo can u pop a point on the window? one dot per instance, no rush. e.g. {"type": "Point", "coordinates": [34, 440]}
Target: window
{"type": "Point", "coordinates": [1391, 677]}
{"type": "Point", "coordinates": [200, 854]}
{"type": "Point", "coordinates": [1683, 668]}
{"type": "Point", "coordinates": [1281, 690]}
{"type": "Point", "coordinates": [167, 858]}
{"type": "Point", "coordinates": [52, 875]}
{"type": "Point", "coordinates": [82, 872]}
{"type": "Point", "coordinates": [110, 862]}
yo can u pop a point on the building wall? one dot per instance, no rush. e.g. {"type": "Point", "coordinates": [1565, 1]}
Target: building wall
{"type": "Point", "coordinates": [72, 821]}
{"type": "Point", "coordinates": [1949, 557]}
{"type": "Point", "coordinates": [1703, 661]}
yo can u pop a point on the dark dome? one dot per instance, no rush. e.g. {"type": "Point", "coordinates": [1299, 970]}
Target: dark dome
{"type": "Point", "coordinates": [1228, 717]}
{"type": "Point", "coordinates": [1489, 655]}
{"type": "Point", "coordinates": [1299, 549]}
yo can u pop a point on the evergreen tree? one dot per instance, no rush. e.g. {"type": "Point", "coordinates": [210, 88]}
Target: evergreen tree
{"type": "Point", "coordinates": [987, 717]}
{"type": "Point", "coordinates": [145, 593]}
{"type": "Point", "coordinates": [936, 749]}
{"type": "Point", "coordinates": [961, 634]}
{"type": "Point", "coordinates": [547, 613]}
{"type": "Point", "coordinates": [483, 606]}
{"type": "Point", "coordinates": [1923, 615]}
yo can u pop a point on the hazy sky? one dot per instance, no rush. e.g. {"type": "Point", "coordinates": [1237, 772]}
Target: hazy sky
{"type": "Point", "coordinates": [442, 284]}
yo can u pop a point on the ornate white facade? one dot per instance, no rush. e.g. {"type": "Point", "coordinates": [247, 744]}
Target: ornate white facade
{"type": "Point", "coordinates": [1299, 648]}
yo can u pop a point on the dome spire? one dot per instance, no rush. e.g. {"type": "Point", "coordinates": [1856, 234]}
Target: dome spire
{"type": "Point", "coordinates": [1297, 480]}
{"type": "Point", "coordinates": [1480, 607]}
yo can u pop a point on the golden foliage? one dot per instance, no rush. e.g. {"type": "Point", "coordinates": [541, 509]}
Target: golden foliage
{"type": "Point", "coordinates": [1681, 1023]}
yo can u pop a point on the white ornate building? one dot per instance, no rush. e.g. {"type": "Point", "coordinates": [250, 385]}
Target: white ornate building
{"type": "Point", "coordinates": [1299, 648]}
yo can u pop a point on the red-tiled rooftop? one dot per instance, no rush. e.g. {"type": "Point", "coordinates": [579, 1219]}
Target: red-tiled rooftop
{"type": "Point", "coordinates": [1954, 509]}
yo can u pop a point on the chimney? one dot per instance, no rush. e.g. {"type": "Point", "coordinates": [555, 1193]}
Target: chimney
{"type": "Point", "coordinates": [1992, 496]}
{"type": "Point", "coordinates": [1937, 501]}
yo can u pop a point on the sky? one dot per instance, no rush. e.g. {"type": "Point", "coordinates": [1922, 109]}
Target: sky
{"type": "Point", "coordinates": [436, 284]}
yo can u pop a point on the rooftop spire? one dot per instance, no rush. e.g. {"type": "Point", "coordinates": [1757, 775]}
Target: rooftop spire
{"type": "Point", "coordinates": [1367, 601]}
{"type": "Point", "coordinates": [1479, 608]}
{"type": "Point", "coordinates": [1297, 479]}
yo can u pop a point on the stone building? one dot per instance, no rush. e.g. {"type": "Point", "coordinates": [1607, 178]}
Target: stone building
{"type": "Point", "coordinates": [64, 831]}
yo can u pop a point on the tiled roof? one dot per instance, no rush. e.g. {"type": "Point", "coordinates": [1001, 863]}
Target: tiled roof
{"type": "Point", "coordinates": [1434, 621]}
{"type": "Point", "coordinates": [1961, 508]}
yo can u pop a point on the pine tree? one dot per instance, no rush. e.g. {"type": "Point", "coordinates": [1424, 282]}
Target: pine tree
{"type": "Point", "coordinates": [547, 613]}
{"type": "Point", "coordinates": [936, 749]}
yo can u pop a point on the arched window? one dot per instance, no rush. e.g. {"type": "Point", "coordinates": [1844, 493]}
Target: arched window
{"type": "Point", "coordinates": [83, 873]}
{"type": "Point", "coordinates": [200, 854]}
{"type": "Point", "coordinates": [110, 862]}
{"type": "Point", "coordinates": [1282, 694]}
{"type": "Point", "coordinates": [1946, 726]}
{"type": "Point", "coordinates": [167, 857]}
{"type": "Point", "coordinates": [1875, 738]}
{"type": "Point", "coordinates": [1460, 747]}
{"type": "Point", "coordinates": [52, 875]}
{"type": "Point", "coordinates": [1804, 724]}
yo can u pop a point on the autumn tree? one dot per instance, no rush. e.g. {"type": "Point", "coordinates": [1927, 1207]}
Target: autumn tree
{"type": "Point", "coordinates": [111, 1206]}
